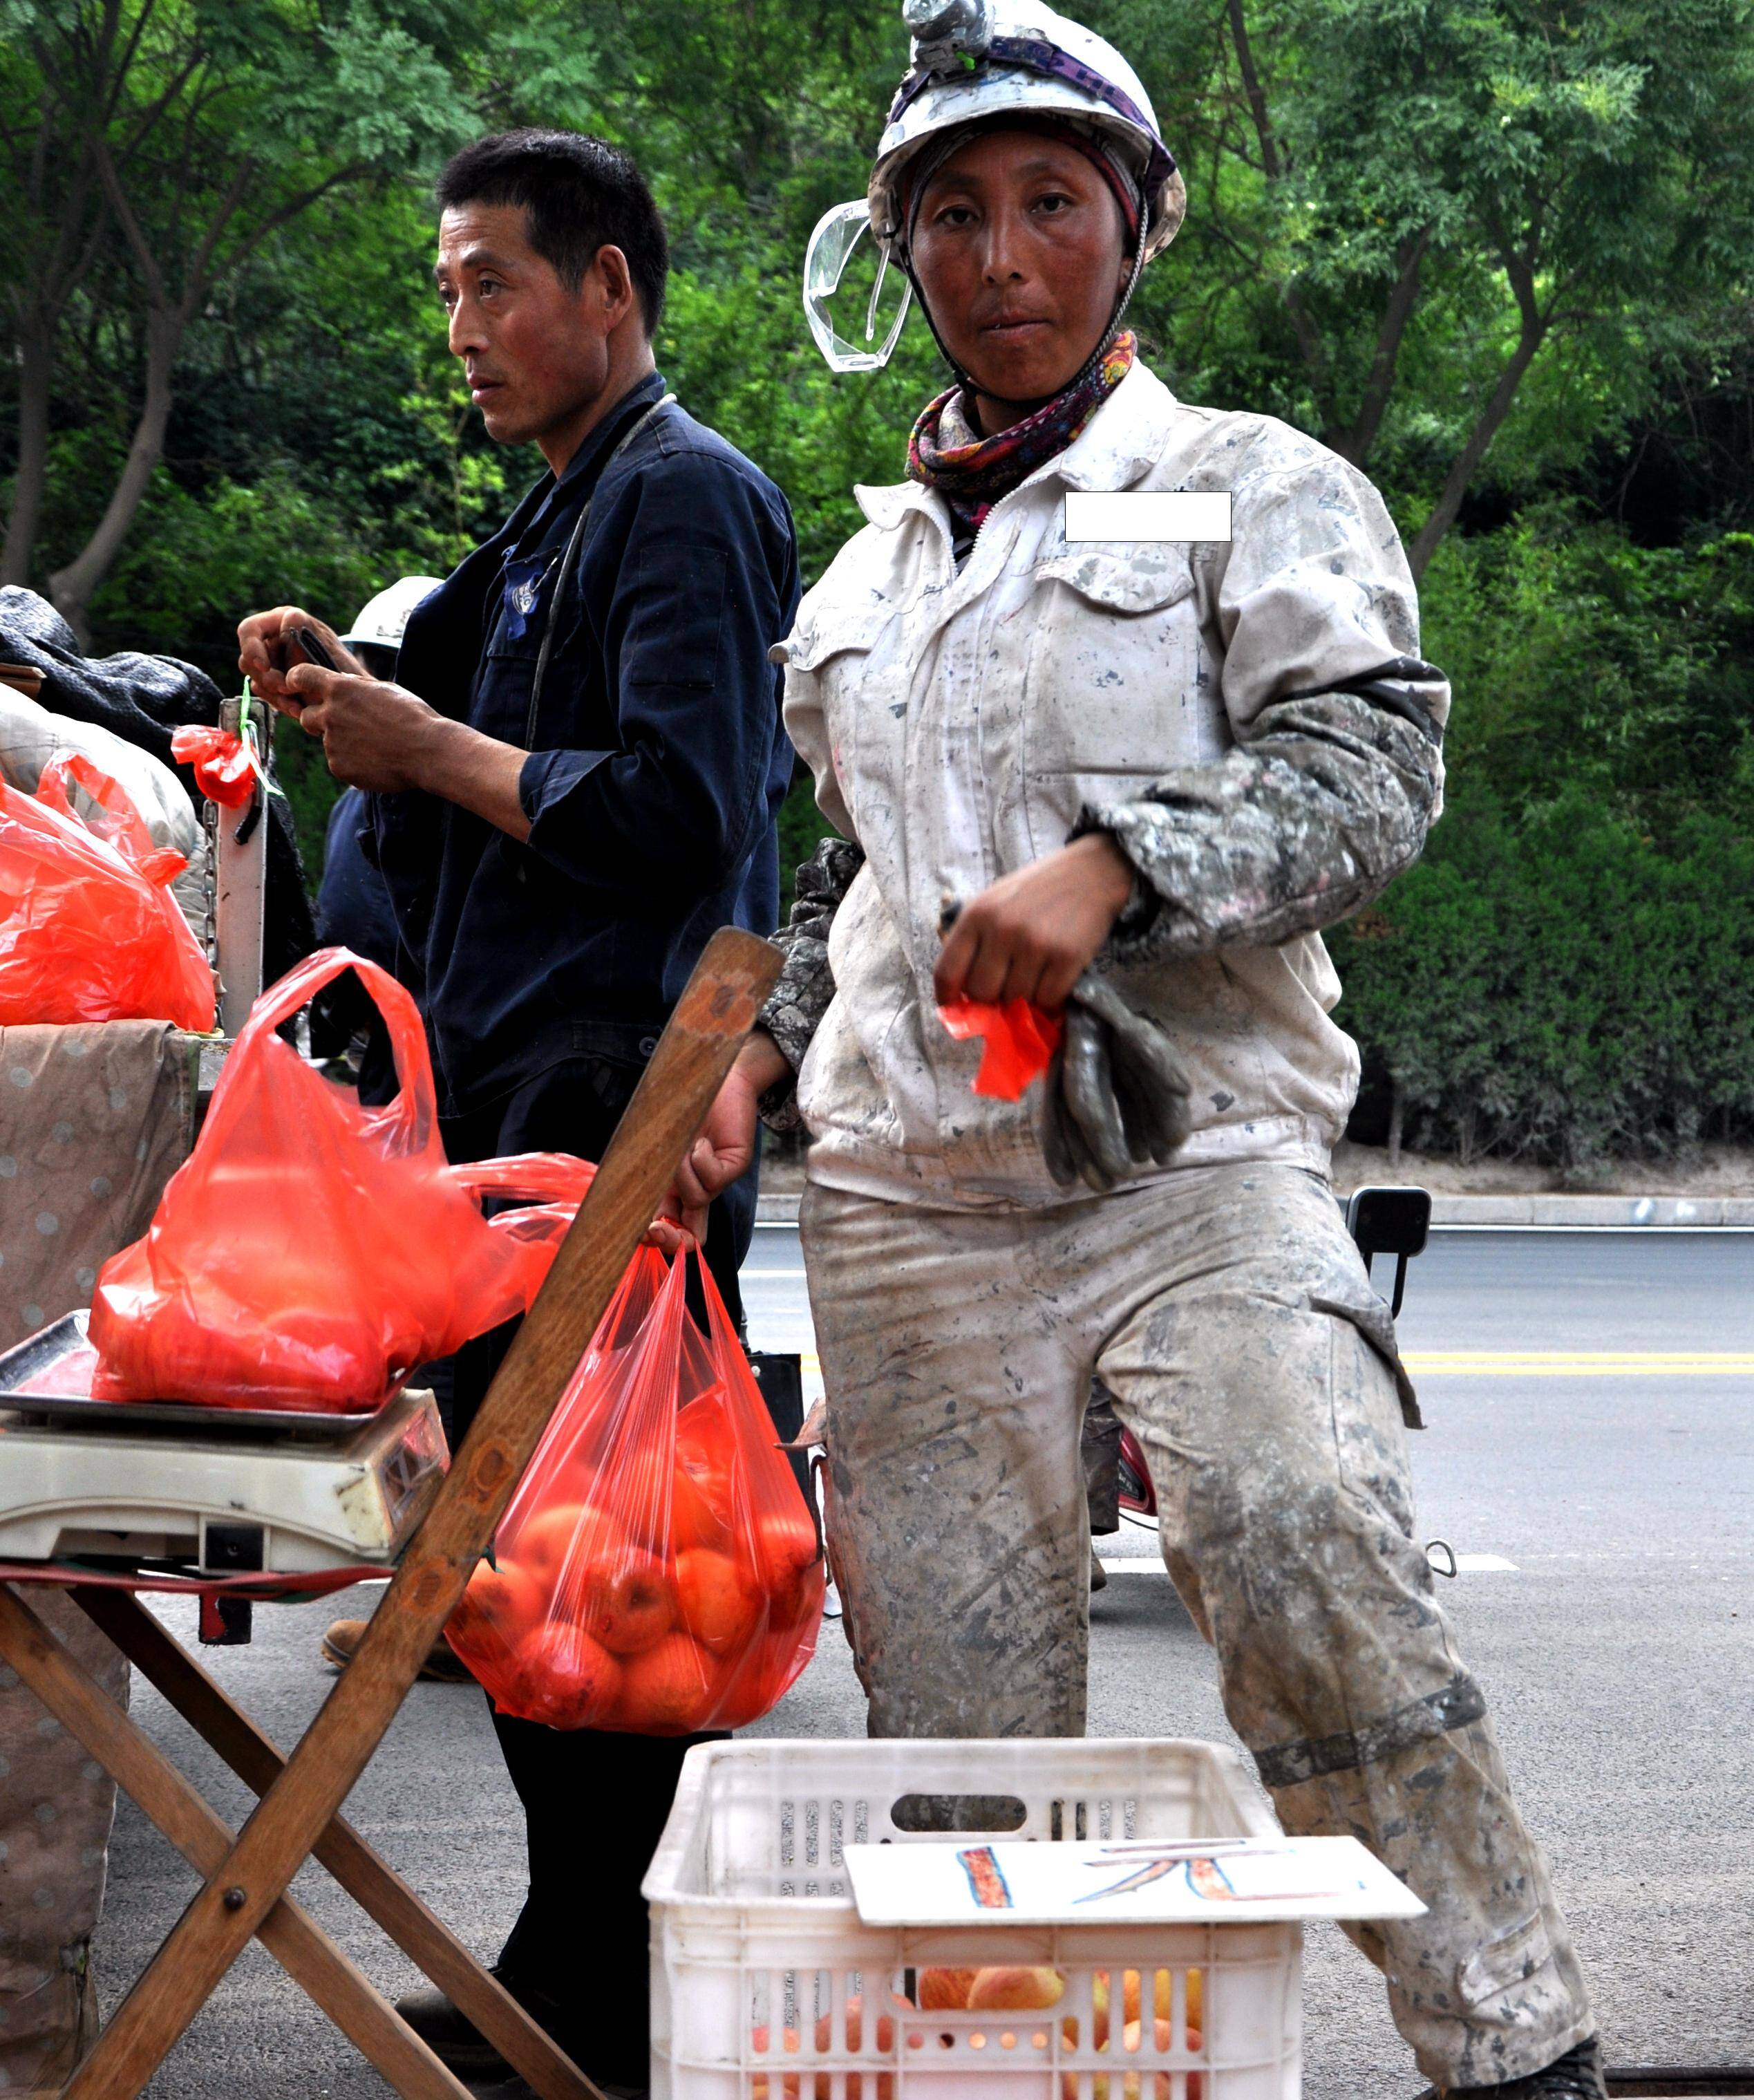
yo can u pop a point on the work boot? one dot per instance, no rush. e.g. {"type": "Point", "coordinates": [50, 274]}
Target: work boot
{"type": "Point", "coordinates": [458, 2043]}
{"type": "Point", "coordinates": [1576, 2076]}
{"type": "Point", "coordinates": [515, 2090]}
{"type": "Point", "coordinates": [443, 1664]}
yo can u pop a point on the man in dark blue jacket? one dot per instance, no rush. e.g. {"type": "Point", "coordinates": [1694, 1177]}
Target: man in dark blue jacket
{"type": "Point", "coordinates": [573, 782]}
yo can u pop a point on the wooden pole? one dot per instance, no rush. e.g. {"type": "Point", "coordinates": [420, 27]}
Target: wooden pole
{"type": "Point", "coordinates": [717, 1009]}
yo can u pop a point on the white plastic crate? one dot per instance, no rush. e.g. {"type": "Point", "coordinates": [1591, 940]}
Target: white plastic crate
{"type": "Point", "coordinates": [766, 1985]}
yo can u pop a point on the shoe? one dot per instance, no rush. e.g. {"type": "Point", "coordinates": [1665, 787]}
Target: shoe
{"type": "Point", "coordinates": [1098, 1575]}
{"type": "Point", "coordinates": [1576, 2076]}
{"type": "Point", "coordinates": [516, 2090]}
{"type": "Point", "coordinates": [457, 2041]}
{"type": "Point", "coordinates": [460, 2045]}
{"type": "Point", "coordinates": [443, 1664]}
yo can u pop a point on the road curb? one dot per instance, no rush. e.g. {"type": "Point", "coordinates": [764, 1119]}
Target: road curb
{"type": "Point", "coordinates": [1567, 1213]}
{"type": "Point", "coordinates": [1616, 1212]}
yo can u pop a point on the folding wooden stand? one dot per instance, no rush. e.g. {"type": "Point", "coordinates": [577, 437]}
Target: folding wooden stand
{"type": "Point", "coordinates": [247, 1872]}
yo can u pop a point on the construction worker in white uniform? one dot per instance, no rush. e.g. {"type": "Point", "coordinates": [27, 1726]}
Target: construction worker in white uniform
{"type": "Point", "coordinates": [1114, 704]}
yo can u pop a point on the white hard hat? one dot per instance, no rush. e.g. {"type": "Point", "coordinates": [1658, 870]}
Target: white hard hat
{"type": "Point", "coordinates": [974, 60]}
{"type": "Point", "coordinates": [381, 620]}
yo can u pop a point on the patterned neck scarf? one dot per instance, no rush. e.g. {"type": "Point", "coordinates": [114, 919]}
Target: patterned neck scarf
{"type": "Point", "coordinates": [972, 473]}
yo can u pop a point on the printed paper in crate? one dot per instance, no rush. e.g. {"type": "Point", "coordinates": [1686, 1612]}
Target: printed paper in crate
{"type": "Point", "coordinates": [1226, 1879]}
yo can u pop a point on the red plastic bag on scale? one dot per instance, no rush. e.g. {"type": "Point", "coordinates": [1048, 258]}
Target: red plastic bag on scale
{"type": "Point", "coordinates": [309, 1252]}
{"type": "Point", "coordinates": [89, 930]}
{"type": "Point", "coordinates": [658, 1570]}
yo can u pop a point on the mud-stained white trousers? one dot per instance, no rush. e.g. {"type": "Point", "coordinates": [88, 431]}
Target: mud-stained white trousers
{"type": "Point", "coordinates": [1228, 1311]}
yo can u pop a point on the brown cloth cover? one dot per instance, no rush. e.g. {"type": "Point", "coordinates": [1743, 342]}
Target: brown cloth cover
{"type": "Point", "coordinates": [94, 1120]}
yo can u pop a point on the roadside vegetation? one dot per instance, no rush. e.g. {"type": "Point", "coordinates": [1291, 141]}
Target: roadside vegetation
{"type": "Point", "coordinates": [1500, 255]}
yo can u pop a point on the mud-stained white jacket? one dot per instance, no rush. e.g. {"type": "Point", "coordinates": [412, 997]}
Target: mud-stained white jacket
{"type": "Point", "coordinates": [1249, 720]}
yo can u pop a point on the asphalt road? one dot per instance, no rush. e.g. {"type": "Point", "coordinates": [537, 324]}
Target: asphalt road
{"type": "Point", "coordinates": [1590, 1399]}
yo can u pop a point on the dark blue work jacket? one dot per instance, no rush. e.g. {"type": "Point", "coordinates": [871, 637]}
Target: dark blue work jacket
{"type": "Point", "coordinates": [657, 757]}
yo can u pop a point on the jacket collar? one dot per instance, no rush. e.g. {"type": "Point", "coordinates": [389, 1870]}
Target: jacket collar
{"type": "Point", "coordinates": [586, 462]}
{"type": "Point", "coordinates": [446, 632]}
{"type": "Point", "coordinates": [1127, 435]}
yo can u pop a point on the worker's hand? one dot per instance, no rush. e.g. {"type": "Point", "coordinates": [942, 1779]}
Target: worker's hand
{"type": "Point", "coordinates": [670, 1235]}
{"type": "Point", "coordinates": [266, 652]}
{"type": "Point", "coordinates": [1033, 934]}
{"type": "Point", "coordinates": [726, 1144]}
{"type": "Point", "coordinates": [375, 735]}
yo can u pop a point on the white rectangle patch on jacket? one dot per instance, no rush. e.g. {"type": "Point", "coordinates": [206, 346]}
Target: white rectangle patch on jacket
{"type": "Point", "coordinates": [1147, 513]}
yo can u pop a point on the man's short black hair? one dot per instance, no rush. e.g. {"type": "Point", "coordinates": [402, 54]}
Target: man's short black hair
{"type": "Point", "coordinates": [578, 194]}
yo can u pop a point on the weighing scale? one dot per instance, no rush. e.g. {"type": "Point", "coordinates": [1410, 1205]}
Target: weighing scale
{"type": "Point", "coordinates": [218, 1490]}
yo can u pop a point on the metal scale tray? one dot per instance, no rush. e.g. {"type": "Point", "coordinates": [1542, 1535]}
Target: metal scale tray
{"type": "Point", "coordinates": [49, 1378]}
{"type": "Point", "coordinates": [220, 1490]}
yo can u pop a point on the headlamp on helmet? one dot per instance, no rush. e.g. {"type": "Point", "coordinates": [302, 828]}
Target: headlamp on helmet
{"type": "Point", "coordinates": [949, 35]}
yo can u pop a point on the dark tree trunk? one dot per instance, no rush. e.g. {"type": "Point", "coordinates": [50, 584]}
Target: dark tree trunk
{"type": "Point", "coordinates": [1519, 269]}
{"type": "Point", "coordinates": [1356, 443]}
{"type": "Point", "coordinates": [72, 589]}
{"type": "Point", "coordinates": [36, 364]}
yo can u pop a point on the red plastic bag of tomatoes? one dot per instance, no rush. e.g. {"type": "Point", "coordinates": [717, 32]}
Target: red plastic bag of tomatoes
{"type": "Point", "coordinates": [309, 1252]}
{"type": "Point", "coordinates": [658, 1570]}
{"type": "Point", "coordinates": [88, 928]}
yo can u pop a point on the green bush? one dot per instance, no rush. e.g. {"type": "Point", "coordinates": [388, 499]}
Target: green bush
{"type": "Point", "coordinates": [1568, 975]}
{"type": "Point", "coordinates": [1567, 989]}
{"type": "Point", "coordinates": [1580, 658]}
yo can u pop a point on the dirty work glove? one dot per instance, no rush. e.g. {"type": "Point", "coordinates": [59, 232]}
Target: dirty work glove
{"type": "Point", "coordinates": [1117, 1098]}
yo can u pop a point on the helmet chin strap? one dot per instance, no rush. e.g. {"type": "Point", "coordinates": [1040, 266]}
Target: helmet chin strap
{"type": "Point", "coordinates": [971, 386]}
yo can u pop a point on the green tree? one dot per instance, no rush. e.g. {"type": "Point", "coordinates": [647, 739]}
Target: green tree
{"type": "Point", "coordinates": [174, 137]}
{"type": "Point", "coordinates": [1405, 204]}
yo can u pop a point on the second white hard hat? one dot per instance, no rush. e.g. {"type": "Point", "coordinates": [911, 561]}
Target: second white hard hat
{"type": "Point", "coordinates": [381, 620]}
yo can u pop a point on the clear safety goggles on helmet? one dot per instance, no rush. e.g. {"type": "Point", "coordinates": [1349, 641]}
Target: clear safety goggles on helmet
{"type": "Point", "coordinates": [835, 267]}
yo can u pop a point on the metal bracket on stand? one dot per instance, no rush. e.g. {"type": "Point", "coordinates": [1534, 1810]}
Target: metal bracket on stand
{"type": "Point", "coordinates": [240, 861]}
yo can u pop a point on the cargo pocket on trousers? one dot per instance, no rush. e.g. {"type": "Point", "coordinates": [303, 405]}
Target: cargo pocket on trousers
{"type": "Point", "coordinates": [1375, 1323]}
{"type": "Point", "coordinates": [1503, 1963]}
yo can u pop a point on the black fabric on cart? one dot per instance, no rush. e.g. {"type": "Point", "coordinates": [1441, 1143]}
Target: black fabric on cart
{"type": "Point", "coordinates": [143, 699]}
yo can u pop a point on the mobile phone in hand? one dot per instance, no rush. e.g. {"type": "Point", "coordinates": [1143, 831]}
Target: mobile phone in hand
{"type": "Point", "coordinates": [314, 650]}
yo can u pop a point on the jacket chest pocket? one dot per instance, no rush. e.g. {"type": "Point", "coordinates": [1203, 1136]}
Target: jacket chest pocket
{"type": "Point", "coordinates": [1116, 683]}
{"type": "Point", "coordinates": [849, 651]}
{"type": "Point", "coordinates": [507, 675]}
